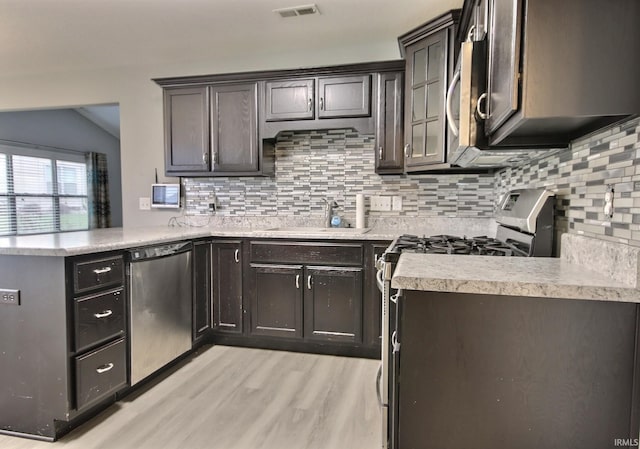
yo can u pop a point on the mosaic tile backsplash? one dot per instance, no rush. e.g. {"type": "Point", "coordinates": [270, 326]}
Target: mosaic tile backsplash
{"type": "Point", "coordinates": [580, 176]}
{"type": "Point", "coordinates": [337, 164]}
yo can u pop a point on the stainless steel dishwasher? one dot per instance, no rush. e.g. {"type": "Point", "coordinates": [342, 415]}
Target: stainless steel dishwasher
{"type": "Point", "coordinates": [160, 306]}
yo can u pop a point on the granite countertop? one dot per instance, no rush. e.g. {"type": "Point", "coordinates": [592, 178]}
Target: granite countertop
{"type": "Point", "coordinates": [84, 242]}
{"type": "Point", "coordinates": [516, 276]}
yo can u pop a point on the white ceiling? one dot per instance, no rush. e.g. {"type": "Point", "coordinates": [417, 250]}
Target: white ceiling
{"type": "Point", "coordinates": [42, 36]}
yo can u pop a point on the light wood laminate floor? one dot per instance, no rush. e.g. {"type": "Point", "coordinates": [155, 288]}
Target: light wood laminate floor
{"type": "Point", "coordinates": [239, 398]}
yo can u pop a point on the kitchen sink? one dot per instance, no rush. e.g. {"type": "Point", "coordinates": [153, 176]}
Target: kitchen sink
{"type": "Point", "coordinates": [318, 230]}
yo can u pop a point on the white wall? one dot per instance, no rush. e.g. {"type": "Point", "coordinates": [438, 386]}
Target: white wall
{"type": "Point", "coordinates": [140, 99]}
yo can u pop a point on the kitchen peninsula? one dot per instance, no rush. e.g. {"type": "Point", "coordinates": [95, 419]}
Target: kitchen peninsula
{"type": "Point", "coordinates": [44, 405]}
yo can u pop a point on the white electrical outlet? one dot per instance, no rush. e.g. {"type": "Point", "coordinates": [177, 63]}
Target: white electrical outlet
{"type": "Point", "coordinates": [145, 203]}
{"type": "Point", "coordinates": [397, 203]}
{"type": "Point", "coordinates": [380, 203]}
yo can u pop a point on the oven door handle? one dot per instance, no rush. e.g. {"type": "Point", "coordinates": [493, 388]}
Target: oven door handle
{"type": "Point", "coordinates": [379, 280]}
{"type": "Point", "coordinates": [378, 379]}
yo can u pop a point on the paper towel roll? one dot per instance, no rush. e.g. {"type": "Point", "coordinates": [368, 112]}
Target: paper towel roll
{"type": "Point", "coordinates": [359, 210]}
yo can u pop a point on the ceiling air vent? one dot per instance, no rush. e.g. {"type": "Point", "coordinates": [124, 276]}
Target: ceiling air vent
{"type": "Point", "coordinates": [294, 11]}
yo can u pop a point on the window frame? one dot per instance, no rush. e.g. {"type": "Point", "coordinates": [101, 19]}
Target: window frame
{"type": "Point", "coordinates": [11, 195]}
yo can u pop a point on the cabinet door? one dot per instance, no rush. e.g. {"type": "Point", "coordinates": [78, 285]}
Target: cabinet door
{"type": "Point", "coordinates": [289, 100]}
{"type": "Point", "coordinates": [504, 62]}
{"type": "Point", "coordinates": [333, 304]}
{"type": "Point", "coordinates": [276, 300]}
{"type": "Point", "coordinates": [201, 289]}
{"type": "Point", "coordinates": [389, 155]}
{"type": "Point", "coordinates": [425, 101]}
{"type": "Point", "coordinates": [227, 286]}
{"type": "Point", "coordinates": [346, 96]}
{"type": "Point", "coordinates": [186, 130]}
{"type": "Point", "coordinates": [234, 132]}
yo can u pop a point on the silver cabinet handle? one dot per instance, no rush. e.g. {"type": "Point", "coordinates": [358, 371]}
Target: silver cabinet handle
{"type": "Point", "coordinates": [407, 147]}
{"type": "Point", "coordinates": [298, 281]}
{"type": "Point", "coordinates": [104, 314]}
{"type": "Point", "coordinates": [236, 256]}
{"type": "Point", "coordinates": [482, 115]}
{"type": "Point", "coordinates": [214, 157]}
{"type": "Point", "coordinates": [452, 86]}
{"type": "Point", "coordinates": [309, 282]}
{"type": "Point", "coordinates": [310, 104]}
{"type": "Point", "coordinates": [380, 153]}
{"type": "Point", "coordinates": [321, 103]}
{"type": "Point", "coordinates": [102, 270]}
{"type": "Point", "coordinates": [205, 158]}
{"type": "Point", "coordinates": [104, 368]}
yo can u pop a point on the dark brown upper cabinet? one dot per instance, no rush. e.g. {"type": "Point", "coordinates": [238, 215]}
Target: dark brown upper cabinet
{"type": "Point", "coordinates": [226, 125]}
{"type": "Point", "coordinates": [345, 96]}
{"type": "Point", "coordinates": [558, 70]}
{"type": "Point", "coordinates": [186, 130]}
{"type": "Point", "coordinates": [212, 130]}
{"type": "Point", "coordinates": [289, 100]}
{"type": "Point", "coordinates": [428, 51]}
{"type": "Point", "coordinates": [389, 156]}
{"type": "Point", "coordinates": [336, 97]}
{"type": "Point", "coordinates": [234, 129]}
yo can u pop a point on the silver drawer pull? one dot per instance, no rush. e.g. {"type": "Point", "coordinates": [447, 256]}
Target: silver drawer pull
{"type": "Point", "coordinates": [236, 256]}
{"type": "Point", "coordinates": [104, 368]}
{"type": "Point", "coordinates": [297, 281]}
{"type": "Point", "coordinates": [104, 314]}
{"type": "Point", "coordinates": [102, 270]}
{"type": "Point", "coordinates": [309, 282]}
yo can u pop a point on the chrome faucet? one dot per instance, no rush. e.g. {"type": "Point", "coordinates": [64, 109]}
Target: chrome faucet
{"type": "Point", "coordinates": [329, 205]}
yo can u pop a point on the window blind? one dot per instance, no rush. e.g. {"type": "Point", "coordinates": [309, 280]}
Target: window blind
{"type": "Point", "coordinates": [41, 192]}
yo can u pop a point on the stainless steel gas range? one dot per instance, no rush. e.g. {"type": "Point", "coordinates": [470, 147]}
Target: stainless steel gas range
{"type": "Point", "coordinates": [525, 229]}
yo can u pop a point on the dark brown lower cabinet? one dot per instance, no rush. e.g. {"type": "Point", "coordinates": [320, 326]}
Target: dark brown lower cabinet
{"type": "Point", "coordinates": [227, 286]}
{"type": "Point", "coordinates": [201, 289]}
{"type": "Point", "coordinates": [502, 372]}
{"type": "Point", "coordinates": [333, 304]}
{"type": "Point", "coordinates": [276, 300]}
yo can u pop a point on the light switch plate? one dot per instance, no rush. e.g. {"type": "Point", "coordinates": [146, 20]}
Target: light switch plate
{"type": "Point", "coordinates": [397, 203]}
{"type": "Point", "coordinates": [145, 203]}
{"type": "Point", "coordinates": [380, 203]}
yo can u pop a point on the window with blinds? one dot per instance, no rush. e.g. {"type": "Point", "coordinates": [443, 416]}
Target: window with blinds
{"type": "Point", "coordinates": [42, 191]}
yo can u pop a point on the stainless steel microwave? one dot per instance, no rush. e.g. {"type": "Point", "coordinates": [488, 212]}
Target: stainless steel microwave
{"type": "Point", "coordinates": [466, 106]}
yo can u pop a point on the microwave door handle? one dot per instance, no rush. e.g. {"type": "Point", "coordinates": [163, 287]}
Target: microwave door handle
{"type": "Point", "coordinates": [481, 114]}
{"type": "Point", "coordinates": [452, 86]}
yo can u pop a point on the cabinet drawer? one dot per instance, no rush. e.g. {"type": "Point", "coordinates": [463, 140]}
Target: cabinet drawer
{"type": "Point", "coordinates": [94, 273]}
{"type": "Point", "coordinates": [98, 317]}
{"type": "Point", "coordinates": [100, 373]}
{"type": "Point", "coordinates": [307, 253]}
